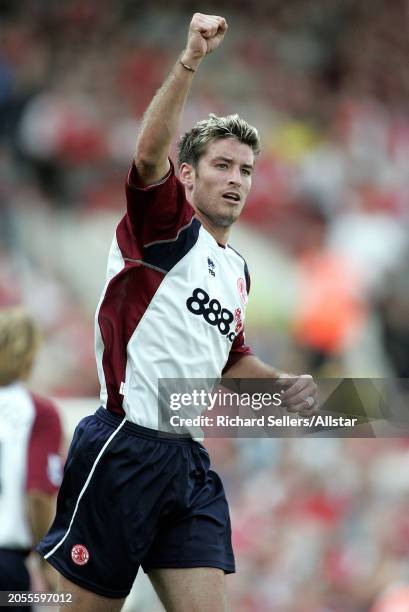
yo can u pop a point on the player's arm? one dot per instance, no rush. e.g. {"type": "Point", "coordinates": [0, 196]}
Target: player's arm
{"type": "Point", "coordinates": [44, 473]}
{"type": "Point", "coordinates": [300, 392]}
{"type": "Point", "coordinates": [40, 514]}
{"type": "Point", "coordinates": [162, 117]}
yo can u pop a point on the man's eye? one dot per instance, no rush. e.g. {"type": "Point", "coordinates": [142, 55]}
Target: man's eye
{"type": "Point", "coordinates": [222, 165]}
{"type": "Point", "coordinates": [245, 171]}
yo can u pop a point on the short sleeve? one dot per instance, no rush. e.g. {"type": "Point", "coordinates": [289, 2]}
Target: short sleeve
{"type": "Point", "coordinates": [156, 212]}
{"type": "Point", "coordinates": [44, 469]}
{"type": "Point", "coordinates": [239, 347]}
{"type": "Point", "coordinates": [238, 350]}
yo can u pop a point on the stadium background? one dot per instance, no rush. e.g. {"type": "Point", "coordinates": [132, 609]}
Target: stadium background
{"type": "Point", "coordinates": [321, 524]}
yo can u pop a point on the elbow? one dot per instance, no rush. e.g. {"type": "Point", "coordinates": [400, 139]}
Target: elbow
{"type": "Point", "coordinates": [144, 164]}
{"type": "Point", "coordinates": [146, 155]}
{"type": "Point", "coordinates": [150, 169]}
{"type": "Point", "coordinates": [146, 169]}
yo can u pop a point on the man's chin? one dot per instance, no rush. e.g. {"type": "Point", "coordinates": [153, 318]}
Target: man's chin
{"type": "Point", "coordinates": [224, 221]}
{"type": "Point", "coordinates": [220, 220]}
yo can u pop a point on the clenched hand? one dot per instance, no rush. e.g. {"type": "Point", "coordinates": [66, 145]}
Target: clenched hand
{"type": "Point", "coordinates": [206, 32]}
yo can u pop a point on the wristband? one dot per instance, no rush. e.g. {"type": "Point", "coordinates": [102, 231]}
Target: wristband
{"type": "Point", "coordinates": [187, 67]}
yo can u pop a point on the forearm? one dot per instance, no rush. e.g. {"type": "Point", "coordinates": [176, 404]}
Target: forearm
{"type": "Point", "coordinates": [40, 511]}
{"type": "Point", "coordinates": [251, 366]}
{"type": "Point", "coordinates": [161, 121]}
{"type": "Point", "coordinates": [298, 393]}
{"type": "Point", "coordinates": [162, 117]}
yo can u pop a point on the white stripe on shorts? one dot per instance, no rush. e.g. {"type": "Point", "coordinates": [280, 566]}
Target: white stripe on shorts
{"type": "Point", "coordinates": [84, 488]}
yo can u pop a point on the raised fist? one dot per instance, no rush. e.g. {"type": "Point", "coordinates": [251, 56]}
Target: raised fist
{"type": "Point", "coordinates": [206, 32]}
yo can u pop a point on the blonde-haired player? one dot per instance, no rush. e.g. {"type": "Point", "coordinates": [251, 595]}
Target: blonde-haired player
{"type": "Point", "coordinates": [30, 463]}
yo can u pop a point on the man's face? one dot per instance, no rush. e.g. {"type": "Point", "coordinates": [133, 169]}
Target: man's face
{"type": "Point", "coordinates": [221, 182]}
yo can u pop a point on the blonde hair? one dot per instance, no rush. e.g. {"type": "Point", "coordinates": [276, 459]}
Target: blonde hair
{"type": "Point", "coordinates": [19, 340]}
{"type": "Point", "coordinates": [193, 143]}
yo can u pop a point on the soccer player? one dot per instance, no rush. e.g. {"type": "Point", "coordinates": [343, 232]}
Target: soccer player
{"type": "Point", "coordinates": [30, 464]}
{"type": "Point", "coordinates": [172, 307]}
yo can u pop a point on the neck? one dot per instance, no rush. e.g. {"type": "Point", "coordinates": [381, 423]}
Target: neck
{"type": "Point", "coordinates": [220, 234]}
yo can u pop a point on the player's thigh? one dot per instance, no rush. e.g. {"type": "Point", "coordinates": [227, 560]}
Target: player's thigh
{"type": "Point", "coordinates": [87, 601]}
{"type": "Point", "coordinates": [196, 589]}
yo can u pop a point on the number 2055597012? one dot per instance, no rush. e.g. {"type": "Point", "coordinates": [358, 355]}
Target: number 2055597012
{"type": "Point", "coordinates": [16, 598]}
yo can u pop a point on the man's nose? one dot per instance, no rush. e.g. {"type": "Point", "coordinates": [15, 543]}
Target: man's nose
{"type": "Point", "coordinates": [235, 176]}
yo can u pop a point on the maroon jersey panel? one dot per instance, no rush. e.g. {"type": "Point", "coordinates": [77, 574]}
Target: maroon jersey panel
{"type": "Point", "coordinates": [43, 458]}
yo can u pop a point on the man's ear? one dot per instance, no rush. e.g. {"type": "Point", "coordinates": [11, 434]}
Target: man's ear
{"type": "Point", "coordinates": [187, 175]}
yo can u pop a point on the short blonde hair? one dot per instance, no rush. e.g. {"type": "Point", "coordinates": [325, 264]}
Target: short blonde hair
{"type": "Point", "coordinates": [193, 143]}
{"type": "Point", "coordinates": [19, 340]}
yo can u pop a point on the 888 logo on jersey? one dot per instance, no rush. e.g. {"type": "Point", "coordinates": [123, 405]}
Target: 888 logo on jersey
{"type": "Point", "coordinates": [212, 311]}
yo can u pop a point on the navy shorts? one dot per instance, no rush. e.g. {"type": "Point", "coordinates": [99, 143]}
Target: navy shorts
{"type": "Point", "coordinates": [131, 497]}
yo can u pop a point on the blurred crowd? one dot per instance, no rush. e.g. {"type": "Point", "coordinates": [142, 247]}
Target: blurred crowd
{"type": "Point", "coordinates": [326, 84]}
{"type": "Point", "coordinates": [320, 525]}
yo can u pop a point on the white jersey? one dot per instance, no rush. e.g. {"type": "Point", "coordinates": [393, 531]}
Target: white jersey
{"type": "Point", "coordinates": [173, 305]}
{"type": "Point", "coordinates": [30, 439]}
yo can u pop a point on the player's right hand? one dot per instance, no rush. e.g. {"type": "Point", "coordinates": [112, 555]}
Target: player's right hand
{"type": "Point", "coordinates": [206, 32]}
{"type": "Point", "coordinates": [300, 394]}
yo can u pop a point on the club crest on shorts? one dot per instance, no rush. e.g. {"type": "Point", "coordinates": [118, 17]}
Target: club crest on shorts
{"type": "Point", "coordinates": [241, 286]}
{"type": "Point", "coordinates": [79, 554]}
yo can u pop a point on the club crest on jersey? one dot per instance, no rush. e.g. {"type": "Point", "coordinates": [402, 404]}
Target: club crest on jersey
{"type": "Point", "coordinates": [211, 266]}
{"type": "Point", "coordinates": [241, 286]}
{"type": "Point", "coordinates": [79, 554]}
